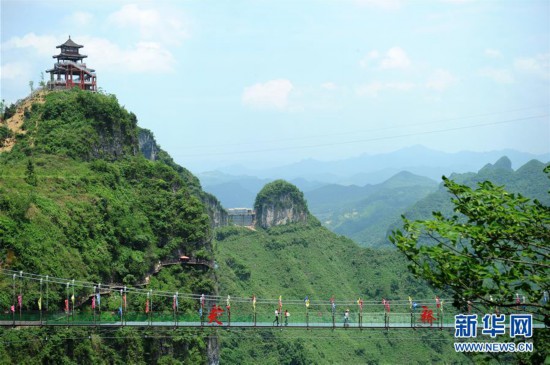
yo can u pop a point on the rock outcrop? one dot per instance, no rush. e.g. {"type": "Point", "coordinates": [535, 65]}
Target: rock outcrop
{"type": "Point", "coordinates": [218, 215]}
{"type": "Point", "coordinates": [147, 144]}
{"type": "Point", "coordinates": [278, 203]}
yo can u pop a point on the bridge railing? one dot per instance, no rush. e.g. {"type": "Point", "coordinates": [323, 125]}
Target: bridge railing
{"type": "Point", "coordinates": [79, 317]}
{"type": "Point", "coordinates": [26, 293]}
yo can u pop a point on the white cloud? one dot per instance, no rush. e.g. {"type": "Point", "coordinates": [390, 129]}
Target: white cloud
{"type": "Point", "coordinates": [500, 76]}
{"type": "Point", "coordinates": [394, 58]}
{"type": "Point", "coordinates": [538, 66]}
{"type": "Point", "coordinates": [492, 53]}
{"type": "Point", "coordinates": [382, 4]}
{"type": "Point", "coordinates": [166, 27]}
{"type": "Point", "coordinates": [142, 57]}
{"type": "Point", "coordinates": [329, 86]}
{"type": "Point", "coordinates": [374, 88]}
{"type": "Point", "coordinates": [104, 55]}
{"type": "Point", "coordinates": [440, 80]}
{"type": "Point", "coordinates": [81, 18]}
{"type": "Point", "coordinates": [44, 45]}
{"type": "Point", "coordinates": [272, 94]}
{"type": "Point", "coordinates": [13, 71]}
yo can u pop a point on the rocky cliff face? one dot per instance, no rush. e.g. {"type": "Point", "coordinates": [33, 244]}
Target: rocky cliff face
{"type": "Point", "coordinates": [147, 144]}
{"type": "Point", "coordinates": [218, 215]}
{"type": "Point", "coordinates": [278, 203]}
{"type": "Point", "coordinates": [113, 143]}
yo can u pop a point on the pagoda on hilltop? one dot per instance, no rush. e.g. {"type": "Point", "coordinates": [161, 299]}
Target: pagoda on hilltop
{"type": "Point", "coordinates": [69, 70]}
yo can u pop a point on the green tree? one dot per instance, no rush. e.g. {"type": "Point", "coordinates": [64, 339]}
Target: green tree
{"type": "Point", "coordinates": [31, 85]}
{"type": "Point", "coordinates": [5, 133]}
{"type": "Point", "coordinates": [30, 174]}
{"type": "Point", "coordinates": [496, 244]}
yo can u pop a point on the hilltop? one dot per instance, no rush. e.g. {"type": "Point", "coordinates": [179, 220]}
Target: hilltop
{"type": "Point", "coordinates": [79, 199]}
{"type": "Point", "coordinates": [280, 203]}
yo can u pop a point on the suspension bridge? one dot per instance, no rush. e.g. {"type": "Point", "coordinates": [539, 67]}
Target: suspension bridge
{"type": "Point", "coordinates": [42, 300]}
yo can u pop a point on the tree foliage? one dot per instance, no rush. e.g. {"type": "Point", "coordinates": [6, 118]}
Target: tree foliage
{"type": "Point", "coordinates": [5, 133]}
{"type": "Point", "coordinates": [271, 195]}
{"type": "Point", "coordinates": [495, 245]}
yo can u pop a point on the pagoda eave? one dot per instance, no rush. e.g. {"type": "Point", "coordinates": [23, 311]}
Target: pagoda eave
{"type": "Point", "coordinates": [64, 55]}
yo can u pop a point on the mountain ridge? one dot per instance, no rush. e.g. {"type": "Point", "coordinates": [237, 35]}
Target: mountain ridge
{"type": "Point", "coordinates": [375, 167]}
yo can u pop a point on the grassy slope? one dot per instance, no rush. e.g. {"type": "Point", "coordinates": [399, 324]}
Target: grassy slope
{"type": "Point", "coordinates": [307, 259]}
{"type": "Point", "coordinates": [375, 213]}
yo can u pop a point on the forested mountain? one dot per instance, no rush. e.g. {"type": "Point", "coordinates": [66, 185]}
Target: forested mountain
{"type": "Point", "coordinates": [79, 200]}
{"type": "Point", "coordinates": [367, 214]}
{"type": "Point", "coordinates": [528, 180]}
{"type": "Point", "coordinates": [364, 213]}
{"type": "Point", "coordinates": [302, 258]}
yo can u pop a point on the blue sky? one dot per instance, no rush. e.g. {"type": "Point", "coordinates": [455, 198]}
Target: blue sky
{"type": "Point", "coordinates": [268, 82]}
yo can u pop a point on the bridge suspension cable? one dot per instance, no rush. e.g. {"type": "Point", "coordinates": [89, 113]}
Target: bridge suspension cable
{"type": "Point", "coordinates": [21, 275]}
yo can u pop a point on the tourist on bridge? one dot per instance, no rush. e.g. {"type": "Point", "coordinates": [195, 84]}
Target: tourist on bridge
{"type": "Point", "coordinates": [286, 317]}
{"type": "Point", "coordinates": [346, 318]}
{"type": "Point", "coordinates": [276, 318]}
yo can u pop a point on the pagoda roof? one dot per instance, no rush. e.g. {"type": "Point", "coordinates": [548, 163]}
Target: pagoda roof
{"type": "Point", "coordinates": [70, 55]}
{"type": "Point", "coordinates": [69, 43]}
{"type": "Point", "coordinates": [61, 68]}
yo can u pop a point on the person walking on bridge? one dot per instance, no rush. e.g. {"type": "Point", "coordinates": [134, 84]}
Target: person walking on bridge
{"type": "Point", "coordinates": [346, 318]}
{"type": "Point", "coordinates": [276, 318]}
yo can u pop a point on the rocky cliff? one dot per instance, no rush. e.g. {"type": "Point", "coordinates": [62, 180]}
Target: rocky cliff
{"type": "Point", "coordinates": [147, 144]}
{"type": "Point", "coordinates": [218, 215]}
{"type": "Point", "coordinates": [278, 203]}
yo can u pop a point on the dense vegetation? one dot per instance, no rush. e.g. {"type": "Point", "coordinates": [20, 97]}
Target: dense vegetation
{"type": "Point", "coordinates": [78, 200]}
{"type": "Point", "coordinates": [302, 259]}
{"type": "Point", "coordinates": [494, 246]}
{"type": "Point", "coordinates": [5, 133]}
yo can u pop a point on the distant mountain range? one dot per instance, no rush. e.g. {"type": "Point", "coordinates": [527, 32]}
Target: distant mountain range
{"type": "Point", "coordinates": [237, 186]}
{"type": "Point", "coordinates": [528, 180]}
{"type": "Point", "coordinates": [365, 213]}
